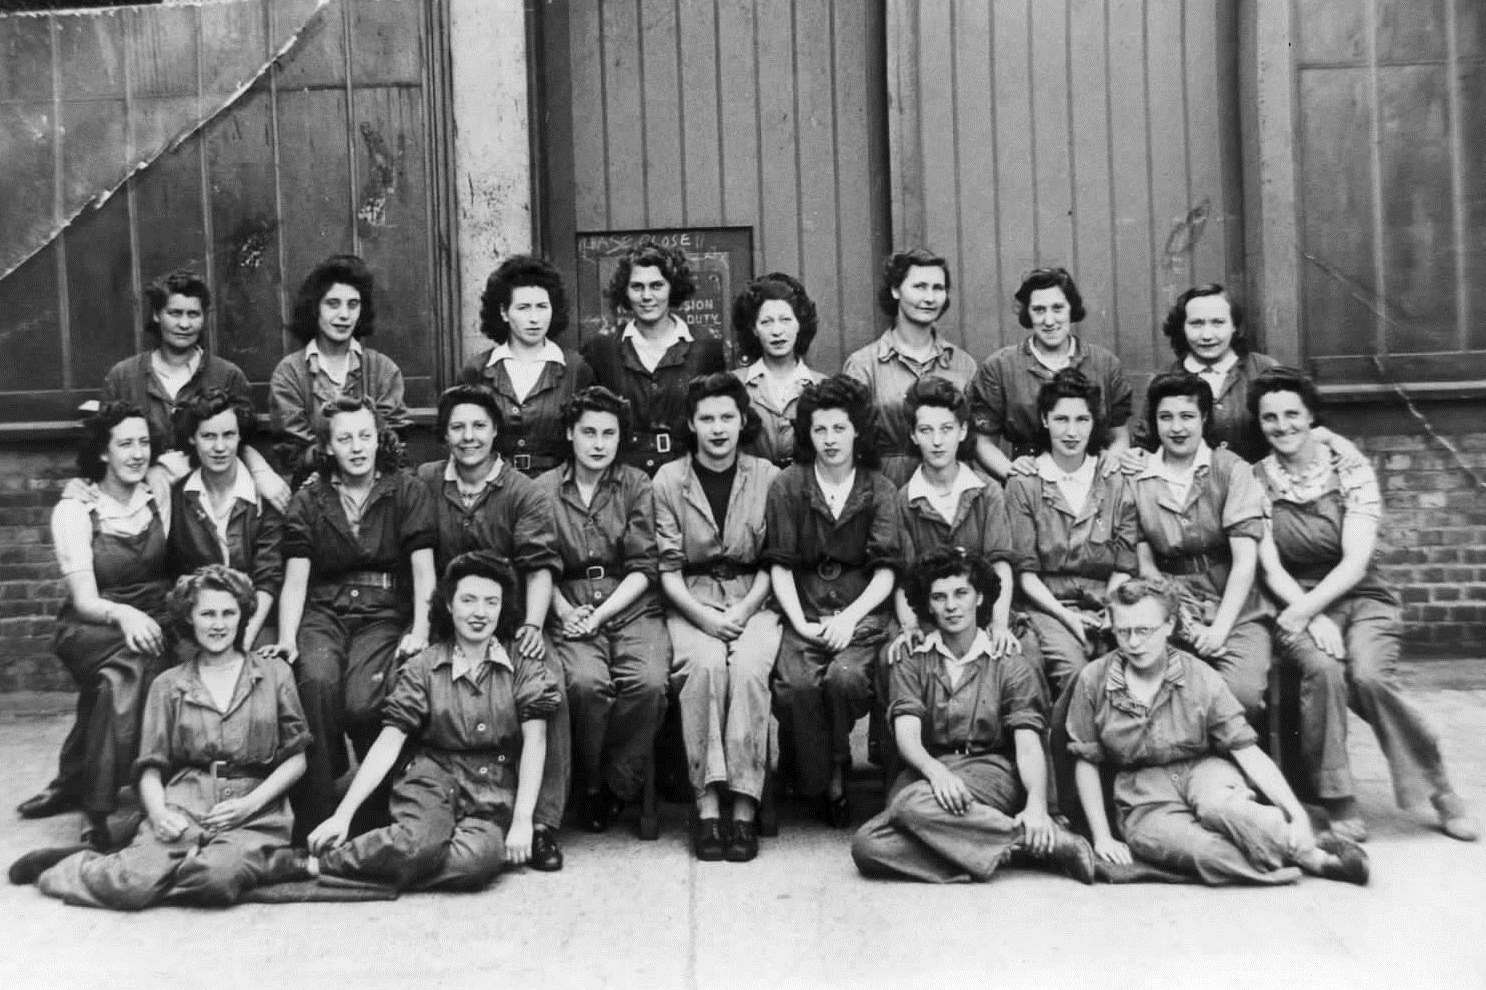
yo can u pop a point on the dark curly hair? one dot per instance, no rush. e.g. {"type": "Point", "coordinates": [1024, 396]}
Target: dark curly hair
{"type": "Point", "coordinates": [472, 395]}
{"type": "Point", "coordinates": [1184, 384]}
{"type": "Point", "coordinates": [1070, 383]}
{"type": "Point", "coordinates": [895, 270]}
{"type": "Point", "coordinates": [1283, 379]}
{"type": "Point", "coordinates": [837, 392]}
{"type": "Point", "coordinates": [181, 282]}
{"type": "Point", "coordinates": [476, 563]}
{"type": "Point", "coordinates": [596, 398]}
{"type": "Point", "coordinates": [97, 430]}
{"type": "Point", "coordinates": [1048, 278]}
{"type": "Point", "coordinates": [1161, 588]}
{"type": "Point", "coordinates": [338, 269]}
{"type": "Point", "coordinates": [947, 562]}
{"type": "Point", "coordinates": [389, 456]}
{"type": "Point", "coordinates": [721, 385]}
{"type": "Point", "coordinates": [938, 393]}
{"type": "Point", "coordinates": [1175, 324]}
{"type": "Point", "coordinates": [777, 286]}
{"type": "Point", "coordinates": [674, 268]}
{"type": "Point", "coordinates": [212, 577]}
{"type": "Point", "coordinates": [196, 409]}
{"type": "Point", "coordinates": [518, 272]}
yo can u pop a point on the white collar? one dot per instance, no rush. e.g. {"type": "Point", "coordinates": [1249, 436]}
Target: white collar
{"type": "Point", "coordinates": [312, 350]}
{"type": "Point", "coordinates": [243, 488]}
{"type": "Point", "coordinates": [1048, 470]}
{"type": "Point", "coordinates": [1046, 362]}
{"type": "Point", "coordinates": [158, 365]}
{"type": "Point", "coordinates": [833, 486]}
{"type": "Point", "coordinates": [1156, 466]}
{"type": "Point", "coordinates": [966, 480]}
{"type": "Point", "coordinates": [935, 642]}
{"type": "Point", "coordinates": [451, 473]}
{"type": "Point", "coordinates": [753, 372]}
{"type": "Point", "coordinates": [679, 331]}
{"type": "Point", "coordinates": [1220, 367]}
{"type": "Point", "coordinates": [108, 507]}
{"type": "Point", "coordinates": [494, 653]}
{"type": "Point", "coordinates": [503, 352]}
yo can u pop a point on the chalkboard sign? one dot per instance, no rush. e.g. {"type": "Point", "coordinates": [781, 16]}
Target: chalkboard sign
{"type": "Point", "coordinates": [721, 262]}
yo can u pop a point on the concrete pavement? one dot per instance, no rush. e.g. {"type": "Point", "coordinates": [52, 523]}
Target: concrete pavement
{"type": "Point", "coordinates": [631, 914]}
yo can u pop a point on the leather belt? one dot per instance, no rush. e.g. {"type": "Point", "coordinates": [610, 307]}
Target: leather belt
{"type": "Point", "coordinates": [829, 570]}
{"type": "Point", "coordinates": [722, 568]}
{"type": "Point", "coordinates": [659, 442]}
{"type": "Point", "coordinates": [1196, 563]}
{"type": "Point", "coordinates": [367, 579]}
{"type": "Point", "coordinates": [964, 749]}
{"type": "Point", "coordinates": [586, 572]}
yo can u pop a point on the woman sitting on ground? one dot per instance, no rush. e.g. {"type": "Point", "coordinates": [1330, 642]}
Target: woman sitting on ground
{"type": "Point", "coordinates": [1187, 763]}
{"type": "Point", "coordinates": [969, 719]}
{"type": "Point", "coordinates": [476, 710]}
{"type": "Point", "coordinates": [223, 741]}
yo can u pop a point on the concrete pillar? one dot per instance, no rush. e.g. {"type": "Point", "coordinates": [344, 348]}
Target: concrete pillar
{"type": "Point", "coordinates": [492, 158]}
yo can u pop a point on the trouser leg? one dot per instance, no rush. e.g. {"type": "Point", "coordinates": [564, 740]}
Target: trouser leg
{"type": "Point", "coordinates": [318, 675]}
{"type": "Point", "coordinates": [699, 675]}
{"type": "Point", "coordinates": [848, 688]}
{"type": "Point", "coordinates": [371, 672]}
{"type": "Point", "coordinates": [233, 862]}
{"type": "Point", "coordinates": [799, 703]}
{"type": "Point", "coordinates": [981, 839]}
{"type": "Point", "coordinates": [1323, 716]}
{"type": "Point", "coordinates": [1063, 656]}
{"type": "Point", "coordinates": [882, 850]}
{"type": "Point", "coordinates": [1222, 800]}
{"type": "Point", "coordinates": [135, 877]}
{"type": "Point", "coordinates": [557, 771]}
{"type": "Point", "coordinates": [113, 729]}
{"type": "Point", "coordinates": [415, 845]}
{"type": "Point", "coordinates": [746, 728]}
{"type": "Point", "coordinates": [1371, 633]}
{"type": "Point", "coordinates": [639, 664]}
{"type": "Point", "coordinates": [477, 852]}
{"type": "Point", "coordinates": [590, 691]}
{"type": "Point", "coordinates": [1244, 665]}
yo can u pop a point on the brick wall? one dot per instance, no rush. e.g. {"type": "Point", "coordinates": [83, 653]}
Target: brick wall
{"type": "Point", "coordinates": [1434, 546]}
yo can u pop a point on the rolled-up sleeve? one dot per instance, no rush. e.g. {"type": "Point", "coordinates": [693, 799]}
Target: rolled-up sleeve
{"type": "Point", "coordinates": [155, 731]}
{"type": "Point", "coordinates": [1021, 520]}
{"type": "Point", "coordinates": [1243, 506]}
{"type": "Point", "coordinates": [669, 540]}
{"type": "Point", "coordinates": [417, 525]}
{"type": "Point", "coordinates": [995, 541]}
{"type": "Point", "coordinates": [1022, 704]}
{"type": "Point", "coordinates": [300, 523]}
{"type": "Point", "coordinates": [781, 522]}
{"type": "Point", "coordinates": [1119, 397]}
{"type": "Point", "coordinates": [884, 539]}
{"type": "Point", "coordinates": [906, 689]}
{"type": "Point", "coordinates": [268, 551]}
{"type": "Point", "coordinates": [406, 707]}
{"type": "Point", "coordinates": [640, 554]}
{"type": "Point", "coordinates": [294, 731]}
{"type": "Point", "coordinates": [535, 534]}
{"type": "Point", "coordinates": [535, 690]}
{"type": "Point", "coordinates": [987, 396]}
{"type": "Point", "coordinates": [1228, 728]}
{"type": "Point", "coordinates": [1082, 724]}
{"type": "Point", "coordinates": [1125, 527]}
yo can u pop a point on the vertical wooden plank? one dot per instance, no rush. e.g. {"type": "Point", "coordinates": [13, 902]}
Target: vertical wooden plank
{"type": "Point", "coordinates": [904, 125]}
{"type": "Point", "coordinates": [940, 147]}
{"type": "Point", "coordinates": [100, 282]}
{"type": "Point", "coordinates": [27, 123]}
{"type": "Point", "coordinates": [319, 57]}
{"type": "Point", "coordinates": [1089, 100]}
{"type": "Point", "coordinates": [1470, 29]}
{"type": "Point", "coordinates": [779, 180]}
{"type": "Point", "coordinates": [1130, 334]}
{"type": "Point", "coordinates": [977, 300]}
{"type": "Point", "coordinates": [1419, 280]}
{"type": "Point", "coordinates": [387, 47]}
{"type": "Point", "coordinates": [1330, 31]}
{"type": "Point", "coordinates": [737, 80]}
{"type": "Point", "coordinates": [169, 220]}
{"type": "Point", "coordinates": [1473, 201]}
{"type": "Point", "coordinates": [245, 226]}
{"type": "Point", "coordinates": [160, 51]}
{"type": "Point", "coordinates": [700, 142]}
{"type": "Point", "coordinates": [624, 113]}
{"type": "Point", "coordinates": [30, 333]}
{"type": "Point", "coordinates": [392, 219]}
{"type": "Point", "coordinates": [1015, 166]}
{"type": "Point", "coordinates": [861, 193]}
{"type": "Point", "coordinates": [1050, 123]}
{"type": "Point", "coordinates": [588, 58]}
{"type": "Point", "coordinates": [1409, 30]}
{"type": "Point", "coordinates": [662, 176]}
{"type": "Point", "coordinates": [1173, 221]}
{"type": "Point", "coordinates": [1207, 111]}
{"type": "Point", "coordinates": [816, 154]}
{"type": "Point", "coordinates": [314, 176]}
{"type": "Point", "coordinates": [1336, 213]}
{"type": "Point", "coordinates": [235, 37]}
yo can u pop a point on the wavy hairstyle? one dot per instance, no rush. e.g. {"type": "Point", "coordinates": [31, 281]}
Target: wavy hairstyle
{"type": "Point", "coordinates": [212, 577]}
{"type": "Point", "coordinates": [197, 409]}
{"type": "Point", "coordinates": [776, 286]}
{"type": "Point", "coordinates": [947, 562]}
{"type": "Point", "coordinates": [389, 456]}
{"type": "Point", "coordinates": [837, 392]}
{"type": "Point", "coordinates": [596, 398]}
{"type": "Point", "coordinates": [1283, 379]}
{"type": "Point", "coordinates": [1175, 324]}
{"type": "Point", "coordinates": [1160, 588]}
{"type": "Point", "coordinates": [674, 268]}
{"type": "Point", "coordinates": [181, 282]}
{"type": "Point", "coordinates": [476, 563]}
{"type": "Point", "coordinates": [1172, 384]}
{"type": "Point", "coordinates": [521, 271]}
{"type": "Point", "coordinates": [1048, 278]}
{"type": "Point", "coordinates": [471, 395]}
{"type": "Point", "coordinates": [895, 270]}
{"type": "Point", "coordinates": [338, 269]}
{"type": "Point", "coordinates": [934, 392]}
{"type": "Point", "coordinates": [1070, 383]}
{"type": "Point", "coordinates": [721, 385]}
{"type": "Point", "coordinates": [97, 430]}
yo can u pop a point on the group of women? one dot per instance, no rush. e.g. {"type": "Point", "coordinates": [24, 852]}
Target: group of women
{"type": "Point", "coordinates": [990, 557]}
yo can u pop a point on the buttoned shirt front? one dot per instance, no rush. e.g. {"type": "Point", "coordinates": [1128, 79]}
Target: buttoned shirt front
{"type": "Point", "coordinates": [776, 412]}
{"type": "Point", "coordinates": [511, 515]}
{"type": "Point", "coordinates": [686, 532]}
{"type": "Point", "coordinates": [888, 372]}
{"type": "Point", "coordinates": [1003, 393]}
{"type": "Point", "coordinates": [301, 385]}
{"type": "Point", "coordinates": [1222, 502]}
{"type": "Point", "coordinates": [532, 438]}
{"type": "Point", "coordinates": [1074, 552]}
{"type": "Point", "coordinates": [976, 521]}
{"type": "Point", "coordinates": [248, 536]}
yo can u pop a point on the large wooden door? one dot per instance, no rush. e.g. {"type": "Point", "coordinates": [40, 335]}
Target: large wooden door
{"type": "Point", "coordinates": [705, 113]}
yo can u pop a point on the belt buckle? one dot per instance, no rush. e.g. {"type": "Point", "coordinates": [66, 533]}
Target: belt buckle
{"type": "Point", "coordinates": [594, 572]}
{"type": "Point", "coordinates": [522, 462]}
{"type": "Point", "coordinates": [829, 570]}
{"type": "Point", "coordinates": [662, 443]}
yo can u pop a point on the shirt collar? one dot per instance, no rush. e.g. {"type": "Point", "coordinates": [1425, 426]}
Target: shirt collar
{"type": "Point", "coordinates": [1175, 673]}
{"type": "Point", "coordinates": [753, 372]}
{"type": "Point", "coordinates": [827, 486]}
{"type": "Point", "coordinates": [1048, 470]}
{"type": "Point", "coordinates": [1220, 367]}
{"type": "Point", "coordinates": [312, 351]}
{"type": "Point", "coordinates": [494, 653]}
{"type": "Point", "coordinates": [934, 643]}
{"type": "Point", "coordinates": [107, 507]}
{"type": "Point", "coordinates": [243, 488]}
{"type": "Point", "coordinates": [965, 481]}
{"type": "Point", "coordinates": [679, 330]}
{"type": "Point", "coordinates": [451, 473]}
{"type": "Point", "coordinates": [503, 352]}
{"type": "Point", "coordinates": [1156, 466]}
{"type": "Point", "coordinates": [887, 348]}
{"type": "Point", "coordinates": [192, 363]}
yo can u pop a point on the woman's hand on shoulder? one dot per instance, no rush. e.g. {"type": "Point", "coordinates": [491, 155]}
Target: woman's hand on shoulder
{"type": "Point", "coordinates": [286, 652]}
{"type": "Point", "coordinates": [1131, 461]}
{"type": "Point", "coordinates": [1023, 465]}
{"type": "Point", "coordinates": [529, 642]}
{"type": "Point", "coordinates": [412, 644]}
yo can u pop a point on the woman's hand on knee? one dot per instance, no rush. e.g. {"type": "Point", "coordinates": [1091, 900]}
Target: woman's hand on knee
{"type": "Point", "coordinates": [170, 826]}
{"type": "Point", "coordinates": [1038, 832]}
{"type": "Point", "coordinates": [948, 789]}
{"type": "Point", "coordinates": [1328, 636]}
{"type": "Point", "coordinates": [836, 632]}
{"type": "Point", "coordinates": [141, 633]}
{"type": "Point", "coordinates": [518, 842]}
{"type": "Point", "coordinates": [1112, 850]}
{"type": "Point", "coordinates": [329, 834]}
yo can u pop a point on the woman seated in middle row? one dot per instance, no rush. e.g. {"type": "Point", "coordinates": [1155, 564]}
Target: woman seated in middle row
{"type": "Point", "coordinates": [969, 726]}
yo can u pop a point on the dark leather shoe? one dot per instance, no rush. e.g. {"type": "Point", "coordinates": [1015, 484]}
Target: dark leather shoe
{"type": "Point", "coordinates": [1350, 864]}
{"type": "Point", "coordinates": [708, 840]}
{"type": "Point", "coordinates": [1074, 855]}
{"type": "Point", "coordinates": [46, 804]}
{"type": "Point", "coordinates": [742, 843]}
{"type": "Point", "coordinates": [835, 812]}
{"type": "Point", "coordinates": [96, 835]}
{"type": "Point", "coordinates": [546, 855]}
{"type": "Point", "coordinates": [36, 862]}
{"type": "Point", "coordinates": [596, 812]}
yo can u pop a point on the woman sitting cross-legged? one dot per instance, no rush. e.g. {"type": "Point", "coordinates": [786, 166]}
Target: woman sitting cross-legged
{"type": "Point", "coordinates": [969, 720]}
{"type": "Point", "coordinates": [1187, 762]}
{"type": "Point", "coordinates": [475, 710]}
{"type": "Point", "coordinates": [223, 741]}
